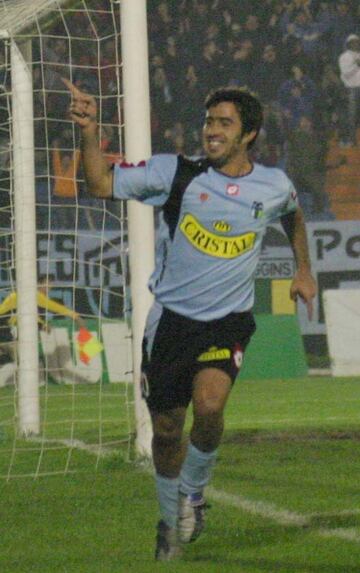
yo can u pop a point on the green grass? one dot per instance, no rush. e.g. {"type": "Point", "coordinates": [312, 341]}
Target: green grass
{"type": "Point", "coordinates": [289, 446]}
{"type": "Point", "coordinates": [93, 414]}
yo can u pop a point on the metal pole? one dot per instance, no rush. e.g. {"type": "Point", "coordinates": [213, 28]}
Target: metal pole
{"type": "Point", "coordinates": [25, 241]}
{"type": "Point", "coordinates": [134, 47]}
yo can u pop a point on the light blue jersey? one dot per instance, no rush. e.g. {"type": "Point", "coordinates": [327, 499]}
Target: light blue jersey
{"type": "Point", "coordinates": [211, 228]}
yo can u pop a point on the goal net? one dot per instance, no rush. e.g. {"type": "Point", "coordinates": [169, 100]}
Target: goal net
{"type": "Point", "coordinates": [67, 366]}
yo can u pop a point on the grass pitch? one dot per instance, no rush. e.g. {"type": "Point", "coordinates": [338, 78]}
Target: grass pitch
{"type": "Point", "coordinates": [284, 495]}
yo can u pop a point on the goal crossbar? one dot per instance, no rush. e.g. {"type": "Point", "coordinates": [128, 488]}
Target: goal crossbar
{"type": "Point", "coordinates": [19, 15]}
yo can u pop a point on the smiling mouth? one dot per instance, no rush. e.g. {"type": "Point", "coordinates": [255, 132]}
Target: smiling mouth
{"type": "Point", "coordinates": [214, 145]}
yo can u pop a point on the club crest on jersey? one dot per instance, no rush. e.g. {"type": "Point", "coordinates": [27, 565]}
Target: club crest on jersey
{"type": "Point", "coordinates": [204, 197]}
{"type": "Point", "coordinates": [257, 209]}
{"type": "Point", "coordinates": [232, 189]}
{"type": "Point", "coordinates": [222, 226]}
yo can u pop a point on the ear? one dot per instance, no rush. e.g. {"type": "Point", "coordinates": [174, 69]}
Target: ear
{"type": "Point", "coordinates": [248, 137]}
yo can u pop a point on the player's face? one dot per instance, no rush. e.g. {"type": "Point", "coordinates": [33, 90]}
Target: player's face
{"type": "Point", "coordinates": [223, 139]}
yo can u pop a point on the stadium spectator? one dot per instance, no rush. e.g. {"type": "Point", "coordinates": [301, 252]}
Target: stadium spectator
{"type": "Point", "coordinates": [267, 75]}
{"type": "Point", "coordinates": [201, 321]}
{"type": "Point", "coordinates": [108, 77]}
{"type": "Point", "coordinates": [234, 37]}
{"type": "Point", "coordinates": [199, 20]}
{"type": "Point", "coordinates": [326, 20]}
{"type": "Point", "coordinates": [333, 103]}
{"type": "Point", "coordinates": [65, 165]}
{"type": "Point", "coordinates": [295, 105]}
{"type": "Point", "coordinates": [344, 25]}
{"type": "Point", "coordinates": [272, 22]}
{"type": "Point", "coordinates": [293, 54]}
{"type": "Point", "coordinates": [163, 101]}
{"type": "Point", "coordinates": [164, 25]}
{"type": "Point", "coordinates": [212, 65]}
{"type": "Point", "coordinates": [254, 33]}
{"type": "Point", "coordinates": [308, 31]}
{"type": "Point", "coordinates": [239, 71]}
{"type": "Point", "coordinates": [270, 142]}
{"type": "Point", "coordinates": [174, 138]}
{"type": "Point", "coordinates": [306, 165]}
{"type": "Point", "coordinates": [309, 91]}
{"type": "Point", "coordinates": [171, 57]}
{"type": "Point", "coordinates": [349, 64]}
{"type": "Point", "coordinates": [191, 113]}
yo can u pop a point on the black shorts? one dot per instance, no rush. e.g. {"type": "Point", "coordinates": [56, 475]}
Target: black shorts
{"type": "Point", "coordinates": [182, 347]}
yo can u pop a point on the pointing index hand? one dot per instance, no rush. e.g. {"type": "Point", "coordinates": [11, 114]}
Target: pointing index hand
{"type": "Point", "coordinates": [83, 109]}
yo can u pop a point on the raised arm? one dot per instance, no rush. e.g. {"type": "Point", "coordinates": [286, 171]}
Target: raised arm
{"type": "Point", "coordinates": [303, 283]}
{"type": "Point", "coordinates": [98, 173]}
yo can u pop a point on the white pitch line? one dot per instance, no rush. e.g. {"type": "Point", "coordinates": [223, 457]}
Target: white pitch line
{"type": "Point", "coordinates": [284, 516]}
{"type": "Point", "coordinates": [334, 513]}
{"type": "Point", "coordinates": [97, 450]}
{"type": "Point", "coordinates": [264, 509]}
{"type": "Point", "coordinates": [346, 533]}
{"type": "Point", "coordinates": [254, 507]}
{"type": "Point", "coordinates": [274, 422]}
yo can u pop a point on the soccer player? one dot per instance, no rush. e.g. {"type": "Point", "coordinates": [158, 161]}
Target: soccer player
{"type": "Point", "coordinates": [215, 210]}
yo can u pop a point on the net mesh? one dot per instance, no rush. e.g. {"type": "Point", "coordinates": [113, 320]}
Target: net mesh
{"type": "Point", "coordinates": [85, 383]}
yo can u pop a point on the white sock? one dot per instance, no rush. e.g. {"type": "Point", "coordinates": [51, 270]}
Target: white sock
{"type": "Point", "coordinates": [196, 470]}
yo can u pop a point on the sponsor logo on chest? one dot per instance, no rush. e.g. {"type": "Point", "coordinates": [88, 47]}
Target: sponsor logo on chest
{"type": "Point", "coordinates": [225, 247]}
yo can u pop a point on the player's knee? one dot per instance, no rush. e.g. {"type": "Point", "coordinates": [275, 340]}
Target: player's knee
{"type": "Point", "coordinates": [208, 423]}
{"type": "Point", "coordinates": [207, 431]}
{"type": "Point", "coordinates": [209, 408]}
{"type": "Point", "coordinates": [166, 439]}
{"type": "Point", "coordinates": [167, 430]}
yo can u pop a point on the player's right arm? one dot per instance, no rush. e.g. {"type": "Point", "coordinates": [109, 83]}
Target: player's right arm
{"type": "Point", "coordinates": [97, 171]}
{"type": "Point", "coordinates": [149, 182]}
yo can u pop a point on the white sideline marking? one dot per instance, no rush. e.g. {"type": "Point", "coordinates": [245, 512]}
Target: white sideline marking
{"type": "Point", "coordinates": [349, 534]}
{"type": "Point", "coordinates": [334, 513]}
{"type": "Point", "coordinates": [285, 517]}
{"type": "Point", "coordinates": [260, 508]}
{"type": "Point", "coordinates": [267, 510]}
{"type": "Point", "coordinates": [294, 421]}
{"type": "Point", "coordinates": [99, 451]}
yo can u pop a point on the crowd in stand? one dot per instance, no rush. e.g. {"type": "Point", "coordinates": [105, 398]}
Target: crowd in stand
{"type": "Point", "coordinates": [286, 51]}
{"type": "Point", "coordinates": [289, 52]}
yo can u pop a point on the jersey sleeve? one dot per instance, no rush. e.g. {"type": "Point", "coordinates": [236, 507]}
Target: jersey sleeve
{"type": "Point", "coordinates": [291, 202]}
{"type": "Point", "coordinates": [149, 182]}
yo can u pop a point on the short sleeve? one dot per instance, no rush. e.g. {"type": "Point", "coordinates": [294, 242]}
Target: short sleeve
{"type": "Point", "coordinates": [292, 202]}
{"type": "Point", "coordinates": [149, 182]}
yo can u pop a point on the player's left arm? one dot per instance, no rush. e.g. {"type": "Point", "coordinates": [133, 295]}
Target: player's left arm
{"type": "Point", "coordinates": [303, 284]}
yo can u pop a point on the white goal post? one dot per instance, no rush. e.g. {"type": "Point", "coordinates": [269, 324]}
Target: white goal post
{"type": "Point", "coordinates": [18, 17]}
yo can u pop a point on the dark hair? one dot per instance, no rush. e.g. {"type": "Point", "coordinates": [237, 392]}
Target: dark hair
{"type": "Point", "coordinates": [247, 105]}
